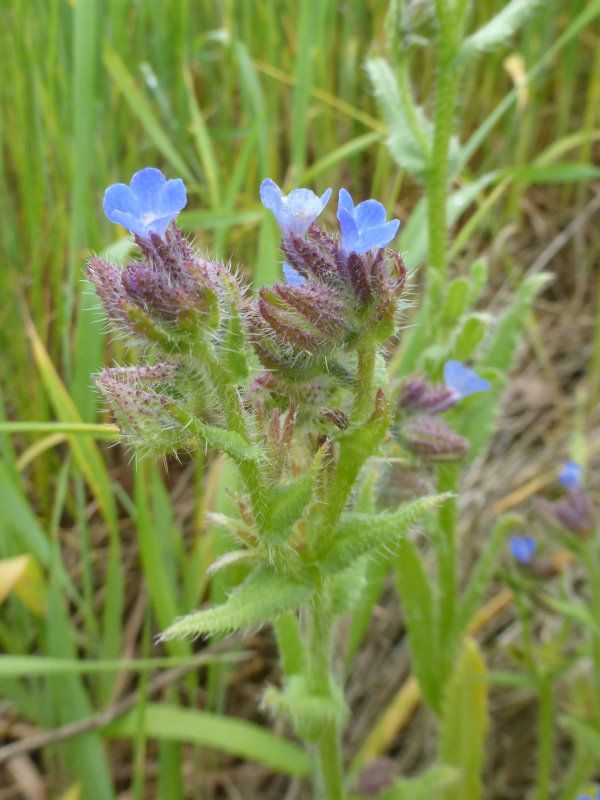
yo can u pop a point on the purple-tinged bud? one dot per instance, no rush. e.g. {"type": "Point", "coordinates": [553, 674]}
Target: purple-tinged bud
{"type": "Point", "coordinates": [432, 439]}
{"type": "Point", "coordinates": [575, 512]}
{"type": "Point", "coordinates": [141, 412]}
{"type": "Point", "coordinates": [337, 417]}
{"type": "Point", "coordinates": [377, 776]}
{"type": "Point", "coordinates": [418, 395]}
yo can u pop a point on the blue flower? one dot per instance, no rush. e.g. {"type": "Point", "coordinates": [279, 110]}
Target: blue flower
{"type": "Point", "coordinates": [570, 475]}
{"type": "Point", "coordinates": [147, 205]}
{"type": "Point", "coordinates": [589, 796]}
{"type": "Point", "coordinates": [463, 381]}
{"type": "Point", "coordinates": [296, 211]}
{"type": "Point", "coordinates": [522, 548]}
{"type": "Point", "coordinates": [364, 226]}
{"type": "Point", "coordinates": [292, 276]}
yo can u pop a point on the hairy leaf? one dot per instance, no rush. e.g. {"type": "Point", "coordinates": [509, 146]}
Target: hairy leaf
{"type": "Point", "coordinates": [264, 595]}
{"type": "Point", "coordinates": [420, 617]}
{"type": "Point", "coordinates": [464, 723]}
{"type": "Point", "coordinates": [358, 534]}
{"type": "Point", "coordinates": [499, 29]}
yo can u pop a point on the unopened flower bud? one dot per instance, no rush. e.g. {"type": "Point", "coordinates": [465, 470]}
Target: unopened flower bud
{"type": "Point", "coordinates": [432, 439]}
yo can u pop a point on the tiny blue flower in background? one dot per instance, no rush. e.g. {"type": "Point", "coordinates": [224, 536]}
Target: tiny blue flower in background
{"type": "Point", "coordinates": [296, 211]}
{"type": "Point", "coordinates": [522, 548]}
{"type": "Point", "coordinates": [364, 226]}
{"type": "Point", "coordinates": [570, 475]}
{"type": "Point", "coordinates": [147, 205]}
{"type": "Point", "coordinates": [589, 796]}
{"type": "Point", "coordinates": [462, 380]}
{"type": "Point", "coordinates": [292, 276]}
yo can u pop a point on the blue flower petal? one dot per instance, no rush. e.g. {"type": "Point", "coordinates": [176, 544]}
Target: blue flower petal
{"type": "Point", "coordinates": [292, 276]}
{"type": "Point", "coordinates": [129, 221]}
{"type": "Point", "coordinates": [522, 548]}
{"type": "Point", "coordinates": [370, 214]}
{"type": "Point", "coordinates": [325, 198]}
{"type": "Point", "coordinates": [350, 235]}
{"type": "Point", "coordinates": [462, 380]}
{"type": "Point", "coordinates": [296, 212]}
{"type": "Point", "coordinates": [146, 206]}
{"type": "Point", "coordinates": [172, 197]}
{"type": "Point", "coordinates": [270, 196]}
{"type": "Point", "coordinates": [120, 198]}
{"type": "Point", "coordinates": [570, 475]}
{"type": "Point", "coordinates": [370, 228]}
{"type": "Point", "coordinates": [345, 201]}
{"type": "Point", "coordinates": [377, 237]}
{"type": "Point", "coordinates": [147, 184]}
{"type": "Point", "coordinates": [302, 207]}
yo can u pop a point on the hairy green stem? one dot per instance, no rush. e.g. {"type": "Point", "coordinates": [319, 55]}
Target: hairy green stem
{"type": "Point", "coordinates": [289, 643]}
{"type": "Point", "coordinates": [448, 75]}
{"type": "Point", "coordinates": [363, 394]}
{"type": "Point", "coordinates": [322, 682]}
{"type": "Point", "coordinates": [545, 738]}
{"type": "Point", "coordinates": [234, 415]}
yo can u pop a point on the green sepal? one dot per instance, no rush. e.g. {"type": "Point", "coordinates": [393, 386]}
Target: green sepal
{"type": "Point", "coordinates": [263, 596]}
{"type": "Point", "coordinates": [358, 534]}
{"type": "Point", "coordinates": [145, 326]}
{"type": "Point", "coordinates": [308, 712]}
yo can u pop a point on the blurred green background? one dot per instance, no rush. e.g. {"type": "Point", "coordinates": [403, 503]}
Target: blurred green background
{"type": "Point", "coordinates": [96, 557]}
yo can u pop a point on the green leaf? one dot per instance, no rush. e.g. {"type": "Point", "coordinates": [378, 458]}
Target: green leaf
{"type": "Point", "coordinates": [358, 534]}
{"type": "Point", "coordinates": [455, 301]}
{"type": "Point", "coordinates": [263, 595]}
{"type": "Point", "coordinates": [499, 29]}
{"type": "Point", "coordinates": [418, 607]}
{"type": "Point", "coordinates": [464, 723]}
{"type": "Point", "coordinates": [409, 130]}
{"type": "Point", "coordinates": [577, 612]}
{"type": "Point", "coordinates": [549, 174]}
{"type": "Point", "coordinates": [289, 501]}
{"type": "Point", "coordinates": [467, 336]}
{"type": "Point", "coordinates": [235, 736]}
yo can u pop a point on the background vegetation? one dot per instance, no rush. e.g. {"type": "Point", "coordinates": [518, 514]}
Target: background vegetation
{"type": "Point", "coordinates": [96, 556]}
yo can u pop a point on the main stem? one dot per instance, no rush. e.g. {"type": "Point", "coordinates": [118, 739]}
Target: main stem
{"type": "Point", "coordinates": [322, 682]}
{"type": "Point", "coordinates": [234, 415]}
{"type": "Point", "coordinates": [438, 180]}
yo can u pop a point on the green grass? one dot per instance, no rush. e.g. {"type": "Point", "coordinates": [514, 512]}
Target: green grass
{"type": "Point", "coordinates": [222, 94]}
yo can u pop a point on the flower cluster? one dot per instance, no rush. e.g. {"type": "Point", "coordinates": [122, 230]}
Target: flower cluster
{"type": "Point", "coordinates": [338, 295]}
{"type": "Point", "coordinates": [574, 512]}
{"type": "Point", "coordinates": [422, 430]}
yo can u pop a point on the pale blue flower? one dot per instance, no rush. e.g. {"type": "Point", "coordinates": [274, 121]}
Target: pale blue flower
{"type": "Point", "coordinates": [570, 475]}
{"type": "Point", "coordinates": [463, 381]}
{"type": "Point", "coordinates": [363, 226]}
{"type": "Point", "coordinates": [522, 548]}
{"type": "Point", "coordinates": [296, 211]}
{"type": "Point", "coordinates": [147, 205]}
{"type": "Point", "coordinates": [292, 276]}
{"type": "Point", "coordinates": [589, 796]}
